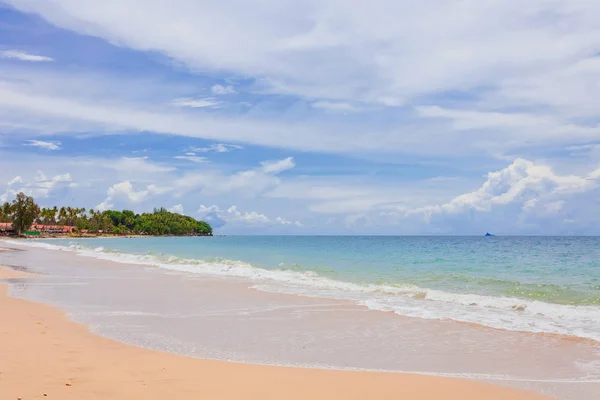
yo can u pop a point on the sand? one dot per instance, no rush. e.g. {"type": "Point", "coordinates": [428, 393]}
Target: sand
{"type": "Point", "coordinates": [44, 355]}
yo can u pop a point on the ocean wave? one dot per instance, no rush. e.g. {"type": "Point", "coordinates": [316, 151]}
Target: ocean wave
{"type": "Point", "coordinates": [508, 313]}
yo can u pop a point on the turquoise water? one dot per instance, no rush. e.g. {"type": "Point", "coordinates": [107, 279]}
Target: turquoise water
{"type": "Point", "coordinates": [540, 284]}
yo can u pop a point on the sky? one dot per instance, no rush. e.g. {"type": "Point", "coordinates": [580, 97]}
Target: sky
{"type": "Point", "coordinates": [454, 117]}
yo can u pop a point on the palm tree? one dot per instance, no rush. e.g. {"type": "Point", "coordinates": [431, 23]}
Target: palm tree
{"type": "Point", "coordinates": [7, 212]}
{"type": "Point", "coordinates": [62, 216]}
{"type": "Point", "coordinates": [70, 215]}
{"type": "Point", "coordinates": [41, 216]}
{"type": "Point", "coordinates": [54, 213]}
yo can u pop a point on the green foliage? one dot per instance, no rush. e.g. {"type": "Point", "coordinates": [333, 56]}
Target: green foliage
{"type": "Point", "coordinates": [5, 212]}
{"type": "Point", "coordinates": [163, 222]}
{"type": "Point", "coordinates": [82, 223]}
{"type": "Point", "coordinates": [23, 212]}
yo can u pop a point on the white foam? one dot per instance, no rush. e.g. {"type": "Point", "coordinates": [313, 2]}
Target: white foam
{"type": "Point", "coordinates": [497, 312]}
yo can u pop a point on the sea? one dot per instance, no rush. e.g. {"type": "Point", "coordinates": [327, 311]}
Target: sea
{"type": "Point", "coordinates": [516, 311]}
{"type": "Point", "coordinates": [534, 284]}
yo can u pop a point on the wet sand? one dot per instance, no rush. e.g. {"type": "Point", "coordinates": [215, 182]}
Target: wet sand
{"type": "Point", "coordinates": [44, 355]}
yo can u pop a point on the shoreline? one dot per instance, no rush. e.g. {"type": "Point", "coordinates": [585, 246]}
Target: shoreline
{"type": "Point", "coordinates": [517, 307]}
{"type": "Point", "coordinates": [85, 365]}
{"type": "Point", "coordinates": [94, 236]}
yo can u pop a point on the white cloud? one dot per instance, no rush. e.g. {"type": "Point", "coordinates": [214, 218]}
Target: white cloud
{"type": "Point", "coordinates": [479, 89]}
{"type": "Point", "coordinates": [251, 217]}
{"type": "Point", "coordinates": [16, 179]}
{"type": "Point", "coordinates": [337, 54]}
{"type": "Point", "coordinates": [594, 174]}
{"type": "Point", "coordinates": [178, 209]}
{"type": "Point", "coordinates": [233, 215]}
{"type": "Point", "coordinates": [193, 158]}
{"type": "Point", "coordinates": [351, 194]}
{"type": "Point", "coordinates": [380, 50]}
{"type": "Point", "coordinates": [133, 164]}
{"type": "Point", "coordinates": [523, 181]}
{"type": "Point", "coordinates": [105, 205]}
{"type": "Point", "coordinates": [248, 182]}
{"type": "Point", "coordinates": [570, 89]}
{"type": "Point", "coordinates": [23, 56]}
{"type": "Point", "coordinates": [222, 90]}
{"type": "Point", "coordinates": [523, 197]}
{"type": "Point", "coordinates": [125, 191]}
{"type": "Point", "coordinates": [275, 167]}
{"type": "Point", "coordinates": [207, 102]}
{"type": "Point", "coordinates": [43, 144]}
{"type": "Point", "coordinates": [283, 221]}
{"type": "Point", "coordinates": [38, 187]}
{"type": "Point", "coordinates": [217, 148]}
{"type": "Point", "coordinates": [431, 134]}
{"type": "Point", "coordinates": [210, 209]}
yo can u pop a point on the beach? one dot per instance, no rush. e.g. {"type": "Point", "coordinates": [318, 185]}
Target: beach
{"type": "Point", "coordinates": [125, 330]}
{"type": "Point", "coordinates": [44, 355]}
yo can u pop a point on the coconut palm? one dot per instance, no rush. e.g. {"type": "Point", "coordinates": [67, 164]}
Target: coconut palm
{"type": "Point", "coordinates": [62, 216]}
{"type": "Point", "coordinates": [40, 218]}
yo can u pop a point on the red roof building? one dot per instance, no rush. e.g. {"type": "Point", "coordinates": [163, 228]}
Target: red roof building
{"type": "Point", "coordinates": [52, 228]}
{"type": "Point", "coordinates": [7, 226]}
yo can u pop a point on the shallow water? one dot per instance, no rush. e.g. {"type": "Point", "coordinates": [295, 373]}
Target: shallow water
{"type": "Point", "coordinates": [216, 316]}
{"type": "Point", "coordinates": [534, 284]}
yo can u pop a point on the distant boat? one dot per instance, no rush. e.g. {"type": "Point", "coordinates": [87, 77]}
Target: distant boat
{"type": "Point", "coordinates": [488, 234]}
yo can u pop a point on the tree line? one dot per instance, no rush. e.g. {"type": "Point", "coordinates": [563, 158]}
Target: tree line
{"type": "Point", "coordinates": [23, 212]}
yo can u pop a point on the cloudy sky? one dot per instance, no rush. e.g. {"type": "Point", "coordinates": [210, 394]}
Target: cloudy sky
{"type": "Point", "coordinates": [304, 117]}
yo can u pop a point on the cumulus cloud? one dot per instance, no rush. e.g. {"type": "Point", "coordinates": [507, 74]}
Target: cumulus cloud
{"type": "Point", "coordinates": [178, 209]}
{"type": "Point", "coordinates": [39, 186]}
{"type": "Point", "coordinates": [43, 144]}
{"type": "Point", "coordinates": [23, 56]}
{"type": "Point", "coordinates": [524, 196]}
{"type": "Point", "coordinates": [124, 191]}
{"type": "Point", "coordinates": [251, 217]}
{"type": "Point", "coordinates": [521, 182]}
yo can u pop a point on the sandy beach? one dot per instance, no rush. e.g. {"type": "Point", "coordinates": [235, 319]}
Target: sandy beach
{"type": "Point", "coordinates": [45, 355]}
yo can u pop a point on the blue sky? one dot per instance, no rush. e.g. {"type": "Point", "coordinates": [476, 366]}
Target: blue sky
{"type": "Point", "coordinates": [295, 117]}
